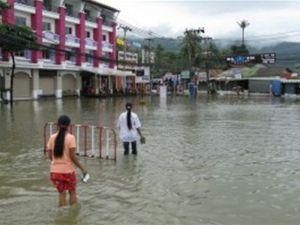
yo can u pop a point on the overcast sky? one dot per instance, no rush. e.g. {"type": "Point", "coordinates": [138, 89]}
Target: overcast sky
{"type": "Point", "coordinates": [279, 19]}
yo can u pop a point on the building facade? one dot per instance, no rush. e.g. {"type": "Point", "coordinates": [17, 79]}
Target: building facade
{"type": "Point", "coordinates": [78, 54]}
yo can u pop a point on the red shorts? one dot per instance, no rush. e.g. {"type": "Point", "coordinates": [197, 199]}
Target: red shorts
{"type": "Point", "coordinates": [64, 181]}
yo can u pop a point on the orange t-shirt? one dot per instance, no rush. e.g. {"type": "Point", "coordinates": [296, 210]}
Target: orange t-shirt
{"type": "Point", "coordinates": [63, 164]}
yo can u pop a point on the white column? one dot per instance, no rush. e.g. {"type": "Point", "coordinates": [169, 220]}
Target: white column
{"type": "Point", "coordinates": [97, 84]}
{"type": "Point", "coordinates": [78, 84]}
{"type": "Point", "coordinates": [58, 91]}
{"type": "Point", "coordinates": [35, 84]}
{"type": "Point", "coordinates": [110, 84]}
{"type": "Point", "coordinates": [6, 94]}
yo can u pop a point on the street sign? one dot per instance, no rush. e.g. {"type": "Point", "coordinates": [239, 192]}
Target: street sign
{"type": "Point", "coordinates": [265, 58]}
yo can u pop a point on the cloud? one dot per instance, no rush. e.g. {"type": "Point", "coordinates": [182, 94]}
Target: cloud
{"type": "Point", "coordinates": [171, 18]}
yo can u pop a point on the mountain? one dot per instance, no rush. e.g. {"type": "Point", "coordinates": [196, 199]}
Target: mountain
{"type": "Point", "coordinates": [287, 53]}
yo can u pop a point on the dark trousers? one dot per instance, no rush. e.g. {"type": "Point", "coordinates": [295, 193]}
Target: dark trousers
{"type": "Point", "coordinates": [133, 147]}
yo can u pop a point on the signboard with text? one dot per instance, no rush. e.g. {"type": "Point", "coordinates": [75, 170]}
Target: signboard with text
{"type": "Point", "coordinates": [265, 58]}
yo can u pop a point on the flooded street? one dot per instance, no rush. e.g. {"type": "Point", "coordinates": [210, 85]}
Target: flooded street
{"type": "Point", "coordinates": [224, 160]}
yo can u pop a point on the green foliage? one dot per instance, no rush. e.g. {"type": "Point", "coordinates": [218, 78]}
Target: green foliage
{"type": "Point", "coordinates": [16, 38]}
{"type": "Point", "coordinates": [3, 5]}
{"type": "Point", "coordinates": [190, 47]}
{"type": "Point", "coordinates": [239, 50]}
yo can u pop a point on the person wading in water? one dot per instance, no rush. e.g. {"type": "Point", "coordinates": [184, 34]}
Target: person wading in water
{"type": "Point", "coordinates": [129, 127]}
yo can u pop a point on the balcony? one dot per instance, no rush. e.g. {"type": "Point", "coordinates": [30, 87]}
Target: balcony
{"type": "Point", "coordinates": [107, 25]}
{"type": "Point", "coordinates": [23, 56]}
{"type": "Point", "coordinates": [72, 41]}
{"type": "Point", "coordinates": [51, 8]}
{"type": "Point", "coordinates": [25, 2]}
{"type": "Point", "coordinates": [107, 47]}
{"type": "Point", "coordinates": [50, 37]}
{"type": "Point", "coordinates": [90, 43]}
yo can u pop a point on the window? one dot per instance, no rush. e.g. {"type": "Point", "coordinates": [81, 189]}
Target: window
{"type": "Point", "coordinates": [46, 26]}
{"type": "Point", "coordinates": [69, 9]}
{"type": "Point", "coordinates": [87, 13]}
{"type": "Point", "coordinates": [88, 34]}
{"type": "Point", "coordinates": [69, 30]}
{"type": "Point", "coordinates": [104, 37]}
{"type": "Point", "coordinates": [20, 54]}
{"type": "Point", "coordinates": [47, 5]}
{"type": "Point", "coordinates": [19, 20]}
{"type": "Point", "coordinates": [69, 55]}
{"type": "Point", "coordinates": [46, 54]}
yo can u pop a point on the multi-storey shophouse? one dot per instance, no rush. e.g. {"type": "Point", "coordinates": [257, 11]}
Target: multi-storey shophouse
{"type": "Point", "coordinates": [80, 57]}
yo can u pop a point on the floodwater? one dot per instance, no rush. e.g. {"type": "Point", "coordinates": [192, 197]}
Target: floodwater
{"type": "Point", "coordinates": [224, 160]}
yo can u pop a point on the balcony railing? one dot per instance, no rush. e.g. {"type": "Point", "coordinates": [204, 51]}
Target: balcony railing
{"type": "Point", "coordinates": [90, 42]}
{"type": "Point", "coordinates": [107, 22]}
{"type": "Point", "coordinates": [71, 13]}
{"type": "Point", "coordinates": [72, 39]}
{"type": "Point", "coordinates": [91, 19]}
{"type": "Point", "coordinates": [25, 2]}
{"type": "Point", "coordinates": [51, 8]}
{"type": "Point", "coordinates": [50, 36]}
{"type": "Point", "coordinates": [107, 45]}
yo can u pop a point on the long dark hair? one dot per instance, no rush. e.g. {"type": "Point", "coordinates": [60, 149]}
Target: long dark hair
{"type": "Point", "coordinates": [128, 108]}
{"type": "Point", "coordinates": [63, 123]}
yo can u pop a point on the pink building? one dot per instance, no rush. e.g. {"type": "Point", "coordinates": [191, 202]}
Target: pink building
{"type": "Point", "coordinates": [79, 54]}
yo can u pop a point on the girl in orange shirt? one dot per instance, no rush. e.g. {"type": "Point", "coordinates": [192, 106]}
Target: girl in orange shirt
{"type": "Point", "coordinates": [61, 148]}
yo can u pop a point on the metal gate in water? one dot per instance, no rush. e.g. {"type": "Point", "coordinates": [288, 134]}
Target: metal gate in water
{"type": "Point", "coordinates": [91, 140]}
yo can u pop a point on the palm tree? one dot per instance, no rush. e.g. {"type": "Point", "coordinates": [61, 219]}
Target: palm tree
{"type": "Point", "coordinates": [243, 24]}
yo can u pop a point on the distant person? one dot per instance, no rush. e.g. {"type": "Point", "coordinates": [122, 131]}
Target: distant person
{"type": "Point", "coordinates": [129, 128]}
{"type": "Point", "coordinates": [61, 148]}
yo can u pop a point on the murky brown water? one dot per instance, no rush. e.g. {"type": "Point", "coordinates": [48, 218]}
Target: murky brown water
{"type": "Point", "coordinates": [213, 161]}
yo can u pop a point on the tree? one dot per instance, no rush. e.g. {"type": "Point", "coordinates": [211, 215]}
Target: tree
{"type": "Point", "coordinates": [239, 50]}
{"type": "Point", "coordinates": [243, 24]}
{"type": "Point", "coordinates": [190, 46]}
{"type": "Point", "coordinates": [15, 38]}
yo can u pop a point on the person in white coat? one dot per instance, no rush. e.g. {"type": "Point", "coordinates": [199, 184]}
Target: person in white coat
{"type": "Point", "coordinates": [129, 127]}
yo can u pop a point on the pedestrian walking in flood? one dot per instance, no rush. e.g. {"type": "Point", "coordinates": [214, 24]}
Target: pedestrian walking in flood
{"type": "Point", "coordinates": [129, 127]}
{"type": "Point", "coordinates": [61, 149]}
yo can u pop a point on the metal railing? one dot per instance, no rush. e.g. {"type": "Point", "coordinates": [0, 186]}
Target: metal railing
{"type": "Point", "coordinates": [50, 36]}
{"type": "Point", "coordinates": [25, 2]}
{"type": "Point", "coordinates": [90, 42]}
{"type": "Point", "coordinates": [91, 140]}
{"type": "Point", "coordinates": [72, 39]}
{"type": "Point", "coordinates": [106, 44]}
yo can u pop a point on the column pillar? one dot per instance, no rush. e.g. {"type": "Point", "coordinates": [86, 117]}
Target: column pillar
{"type": "Point", "coordinates": [98, 39]}
{"type": "Point", "coordinates": [58, 91]}
{"type": "Point", "coordinates": [80, 33]}
{"type": "Point", "coordinates": [112, 40]}
{"type": "Point", "coordinates": [7, 77]}
{"type": "Point", "coordinates": [96, 84]}
{"type": "Point", "coordinates": [37, 25]}
{"type": "Point", "coordinates": [8, 17]}
{"type": "Point", "coordinates": [35, 84]}
{"type": "Point", "coordinates": [78, 84]}
{"type": "Point", "coordinates": [60, 29]}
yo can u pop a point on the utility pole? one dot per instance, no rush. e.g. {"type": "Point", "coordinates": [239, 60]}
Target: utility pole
{"type": "Point", "coordinates": [206, 39]}
{"type": "Point", "coordinates": [149, 40]}
{"type": "Point", "coordinates": [125, 29]}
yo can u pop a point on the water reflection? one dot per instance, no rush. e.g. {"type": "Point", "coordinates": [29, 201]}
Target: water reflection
{"type": "Point", "coordinates": [68, 215]}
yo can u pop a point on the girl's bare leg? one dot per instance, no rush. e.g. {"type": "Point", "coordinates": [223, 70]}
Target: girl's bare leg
{"type": "Point", "coordinates": [73, 197]}
{"type": "Point", "coordinates": [62, 201]}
